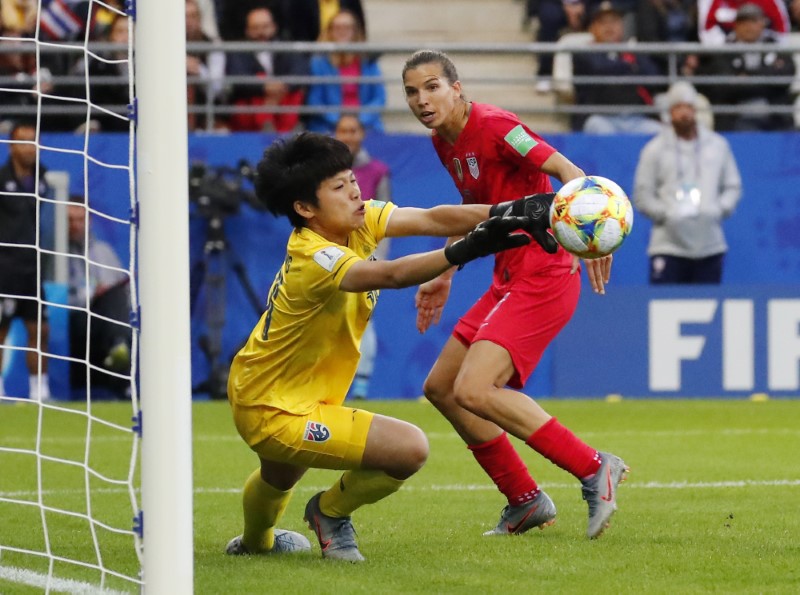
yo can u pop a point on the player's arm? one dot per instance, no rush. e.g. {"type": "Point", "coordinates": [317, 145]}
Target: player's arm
{"type": "Point", "coordinates": [443, 220]}
{"type": "Point", "coordinates": [488, 237]}
{"type": "Point", "coordinates": [562, 168]}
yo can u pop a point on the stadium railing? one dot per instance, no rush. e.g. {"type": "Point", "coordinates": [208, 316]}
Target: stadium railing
{"type": "Point", "coordinates": [214, 112]}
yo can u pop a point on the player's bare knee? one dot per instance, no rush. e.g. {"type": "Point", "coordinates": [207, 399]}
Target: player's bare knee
{"type": "Point", "coordinates": [415, 452]}
{"type": "Point", "coordinates": [471, 396]}
{"type": "Point", "coordinates": [435, 391]}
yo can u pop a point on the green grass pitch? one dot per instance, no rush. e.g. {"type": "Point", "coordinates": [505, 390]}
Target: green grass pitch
{"type": "Point", "coordinates": [711, 505]}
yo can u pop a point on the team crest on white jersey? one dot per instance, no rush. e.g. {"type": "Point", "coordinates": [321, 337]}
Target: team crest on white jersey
{"type": "Point", "coordinates": [472, 163]}
{"type": "Point", "coordinates": [457, 167]}
{"type": "Point", "coordinates": [328, 257]}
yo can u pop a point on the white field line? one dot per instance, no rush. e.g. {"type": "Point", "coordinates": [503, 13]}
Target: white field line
{"type": "Point", "coordinates": [11, 441]}
{"type": "Point", "coordinates": [462, 487]}
{"type": "Point", "coordinates": [57, 585]}
{"type": "Point", "coordinates": [650, 485]}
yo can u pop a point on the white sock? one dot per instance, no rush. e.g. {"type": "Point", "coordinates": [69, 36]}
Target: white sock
{"type": "Point", "coordinates": [2, 387]}
{"type": "Point", "coordinates": [39, 387]}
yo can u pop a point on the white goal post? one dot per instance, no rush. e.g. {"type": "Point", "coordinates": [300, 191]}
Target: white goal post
{"type": "Point", "coordinates": [165, 387]}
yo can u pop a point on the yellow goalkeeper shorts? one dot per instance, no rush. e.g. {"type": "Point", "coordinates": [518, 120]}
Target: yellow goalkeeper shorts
{"type": "Point", "coordinates": [329, 437]}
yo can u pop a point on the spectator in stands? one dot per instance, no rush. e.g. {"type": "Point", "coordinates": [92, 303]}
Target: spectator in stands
{"type": "Point", "coordinates": [105, 294]}
{"type": "Point", "coordinates": [209, 67]}
{"type": "Point", "coordinates": [754, 99]}
{"type": "Point", "coordinates": [233, 16]}
{"type": "Point", "coordinates": [115, 96]}
{"type": "Point", "coordinates": [262, 27]}
{"type": "Point", "coordinates": [716, 19]}
{"type": "Point", "coordinates": [19, 15]}
{"type": "Point", "coordinates": [556, 17]}
{"type": "Point", "coordinates": [667, 21]}
{"type": "Point", "coordinates": [22, 68]}
{"type": "Point", "coordinates": [208, 19]}
{"type": "Point", "coordinates": [20, 284]}
{"type": "Point", "coordinates": [687, 183]}
{"type": "Point", "coordinates": [606, 26]}
{"type": "Point", "coordinates": [372, 176]}
{"type": "Point", "coordinates": [307, 20]}
{"type": "Point", "coordinates": [794, 14]}
{"type": "Point", "coordinates": [345, 28]}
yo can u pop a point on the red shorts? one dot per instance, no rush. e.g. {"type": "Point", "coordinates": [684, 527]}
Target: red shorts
{"type": "Point", "coordinates": [522, 318]}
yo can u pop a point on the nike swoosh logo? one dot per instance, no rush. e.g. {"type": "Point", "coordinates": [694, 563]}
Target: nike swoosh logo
{"type": "Point", "coordinates": [609, 488]}
{"type": "Point", "coordinates": [513, 528]}
{"type": "Point", "coordinates": [323, 544]}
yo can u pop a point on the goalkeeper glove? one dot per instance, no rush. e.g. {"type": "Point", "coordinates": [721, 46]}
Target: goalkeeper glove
{"type": "Point", "coordinates": [535, 208]}
{"type": "Point", "coordinates": [488, 237]}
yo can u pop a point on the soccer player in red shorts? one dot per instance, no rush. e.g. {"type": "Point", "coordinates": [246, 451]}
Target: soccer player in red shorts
{"type": "Point", "coordinates": [493, 157]}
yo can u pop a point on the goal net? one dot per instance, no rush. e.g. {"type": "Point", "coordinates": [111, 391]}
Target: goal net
{"type": "Point", "coordinates": [78, 469]}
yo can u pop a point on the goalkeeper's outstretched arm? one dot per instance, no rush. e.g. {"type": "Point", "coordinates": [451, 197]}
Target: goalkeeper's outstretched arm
{"type": "Point", "coordinates": [488, 237]}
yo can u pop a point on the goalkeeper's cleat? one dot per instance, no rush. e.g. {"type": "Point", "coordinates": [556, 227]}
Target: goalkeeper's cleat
{"type": "Point", "coordinates": [336, 535]}
{"type": "Point", "coordinates": [286, 542]}
{"type": "Point", "coordinates": [600, 492]}
{"type": "Point", "coordinates": [515, 520]}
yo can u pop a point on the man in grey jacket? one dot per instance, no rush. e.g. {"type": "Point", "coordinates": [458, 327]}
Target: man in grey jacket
{"type": "Point", "coordinates": [687, 183]}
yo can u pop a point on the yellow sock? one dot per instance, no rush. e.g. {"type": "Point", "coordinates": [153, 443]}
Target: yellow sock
{"type": "Point", "coordinates": [263, 507]}
{"type": "Point", "coordinates": [356, 488]}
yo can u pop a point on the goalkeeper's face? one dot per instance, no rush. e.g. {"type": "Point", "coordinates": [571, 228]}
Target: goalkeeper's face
{"type": "Point", "coordinates": [339, 209]}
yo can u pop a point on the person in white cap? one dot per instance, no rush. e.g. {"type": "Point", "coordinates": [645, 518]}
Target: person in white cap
{"type": "Point", "coordinates": [687, 182]}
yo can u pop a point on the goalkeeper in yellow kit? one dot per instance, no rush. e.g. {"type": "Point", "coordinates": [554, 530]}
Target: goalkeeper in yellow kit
{"type": "Point", "coordinates": [288, 383]}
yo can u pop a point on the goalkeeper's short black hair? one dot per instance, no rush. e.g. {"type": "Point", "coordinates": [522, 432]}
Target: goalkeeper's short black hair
{"type": "Point", "coordinates": [293, 168]}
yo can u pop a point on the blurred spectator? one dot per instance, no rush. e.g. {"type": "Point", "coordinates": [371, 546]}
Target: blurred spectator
{"type": "Point", "coordinates": [262, 27]}
{"type": "Point", "coordinates": [667, 20]}
{"type": "Point", "coordinates": [20, 284]}
{"type": "Point", "coordinates": [22, 68]}
{"type": "Point", "coordinates": [208, 19]}
{"type": "Point", "coordinates": [345, 28]}
{"type": "Point", "coordinates": [606, 26]}
{"type": "Point", "coordinates": [686, 182]}
{"type": "Point", "coordinates": [372, 176]}
{"type": "Point", "coordinates": [716, 18]}
{"type": "Point", "coordinates": [794, 14]}
{"type": "Point", "coordinates": [19, 15]}
{"type": "Point", "coordinates": [755, 99]}
{"type": "Point", "coordinates": [105, 294]}
{"type": "Point", "coordinates": [555, 17]}
{"type": "Point", "coordinates": [232, 17]}
{"type": "Point", "coordinates": [307, 20]}
{"type": "Point", "coordinates": [113, 95]}
{"type": "Point", "coordinates": [209, 68]}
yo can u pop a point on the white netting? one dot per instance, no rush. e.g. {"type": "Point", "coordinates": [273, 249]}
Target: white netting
{"type": "Point", "coordinates": [69, 464]}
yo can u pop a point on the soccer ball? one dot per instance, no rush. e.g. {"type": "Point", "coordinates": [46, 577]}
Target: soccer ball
{"type": "Point", "coordinates": [591, 216]}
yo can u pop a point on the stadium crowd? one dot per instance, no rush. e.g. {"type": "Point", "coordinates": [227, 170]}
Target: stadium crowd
{"type": "Point", "coordinates": [247, 91]}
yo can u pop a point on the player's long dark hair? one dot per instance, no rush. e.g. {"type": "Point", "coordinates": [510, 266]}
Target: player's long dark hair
{"type": "Point", "coordinates": [293, 169]}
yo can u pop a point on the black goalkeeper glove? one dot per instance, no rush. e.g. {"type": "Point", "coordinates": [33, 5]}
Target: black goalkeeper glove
{"type": "Point", "coordinates": [535, 208]}
{"type": "Point", "coordinates": [490, 236]}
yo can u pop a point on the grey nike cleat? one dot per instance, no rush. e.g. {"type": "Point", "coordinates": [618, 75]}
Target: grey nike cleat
{"type": "Point", "coordinates": [336, 535]}
{"type": "Point", "coordinates": [515, 520]}
{"type": "Point", "coordinates": [286, 542]}
{"type": "Point", "coordinates": [600, 492]}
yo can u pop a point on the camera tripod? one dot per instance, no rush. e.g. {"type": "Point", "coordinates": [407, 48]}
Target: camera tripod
{"type": "Point", "coordinates": [211, 272]}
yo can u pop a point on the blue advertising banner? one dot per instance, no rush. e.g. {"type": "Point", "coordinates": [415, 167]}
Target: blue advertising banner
{"type": "Point", "coordinates": [677, 342]}
{"type": "Point", "coordinates": [633, 341]}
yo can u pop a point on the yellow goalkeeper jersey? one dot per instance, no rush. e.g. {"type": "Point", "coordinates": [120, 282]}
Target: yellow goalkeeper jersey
{"type": "Point", "coordinates": [305, 348]}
